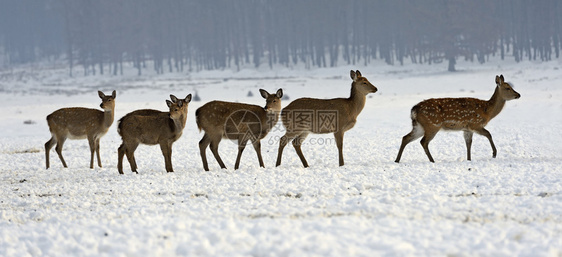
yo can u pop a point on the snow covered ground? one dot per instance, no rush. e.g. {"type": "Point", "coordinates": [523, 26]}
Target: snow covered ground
{"type": "Point", "coordinates": [507, 206]}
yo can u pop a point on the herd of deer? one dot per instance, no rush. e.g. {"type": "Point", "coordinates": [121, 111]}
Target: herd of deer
{"type": "Point", "coordinates": [245, 122]}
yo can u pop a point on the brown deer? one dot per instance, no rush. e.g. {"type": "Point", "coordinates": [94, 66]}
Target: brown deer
{"type": "Point", "coordinates": [80, 123]}
{"type": "Point", "coordinates": [467, 114]}
{"type": "Point", "coordinates": [320, 116]}
{"type": "Point", "coordinates": [152, 127]}
{"type": "Point", "coordinates": [237, 121]}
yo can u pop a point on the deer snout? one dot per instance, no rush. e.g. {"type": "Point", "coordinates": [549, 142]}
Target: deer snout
{"type": "Point", "coordinates": [517, 96]}
{"type": "Point", "coordinates": [268, 109]}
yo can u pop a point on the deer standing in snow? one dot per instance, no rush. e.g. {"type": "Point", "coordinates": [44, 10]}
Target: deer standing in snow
{"type": "Point", "coordinates": [80, 123]}
{"type": "Point", "coordinates": [320, 116]}
{"type": "Point", "coordinates": [237, 121]}
{"type": "Point", "coordinates": [467, 114]}
{"type": "Point", "coordinates": [152, 127]}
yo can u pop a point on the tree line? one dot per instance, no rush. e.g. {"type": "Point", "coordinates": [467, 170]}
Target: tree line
{"type": "Point", "coordinates": [99, 36]}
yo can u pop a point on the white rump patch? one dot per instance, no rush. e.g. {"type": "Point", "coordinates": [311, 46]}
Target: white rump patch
{"type": "Point", "coordinates": [413, 115]}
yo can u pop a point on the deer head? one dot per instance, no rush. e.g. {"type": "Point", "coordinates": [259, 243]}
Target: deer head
{"type": "Point", "coordinates": [178, 107]}
{"type": "Point", "coordinates": [505, 89]}
{"type": "Point", "coordinates": [107, 101]}
{"type": "Point", "coordinates": [361, 84]}
{"type": "Point", "coordinates": [272, 101]}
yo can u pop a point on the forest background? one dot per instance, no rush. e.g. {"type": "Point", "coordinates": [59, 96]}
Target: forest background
{"type": "Point", "coordinates": [98, 37]}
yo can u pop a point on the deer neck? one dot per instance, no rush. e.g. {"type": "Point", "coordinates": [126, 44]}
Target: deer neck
{"type": "Point", "coordinates": [108, 116]}
{"type": "Point", "coordinates": [357, 100]}
{"type": "Point", "coordinates": [177, 125]}
{"type": "Point", "coordinates": [180, 123]}
{"type": "Point", "coordinates": [271, 119]}
{"type": "Point", "coordinates": [495, 104]}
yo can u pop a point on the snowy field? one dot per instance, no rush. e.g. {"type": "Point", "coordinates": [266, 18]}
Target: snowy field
{"type": "Point", "coordinates": [507, 206]}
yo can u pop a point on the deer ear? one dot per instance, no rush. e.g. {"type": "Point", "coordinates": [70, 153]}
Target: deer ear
{"type": "Point", "coordinates": [113, 94]}
{"type": "Point", "coordinates": [187, 98]}
{"type": "Point", "coordinates": [353, 75]}
{"type": "Point", "coordinates": [174, 98]}
{"type": "Point", "coordinates": [169, 103]}
{"type": "Point", "coordinates": [279, 93]}
{"type": "Point", "coordinates": [497, 80]}
{"type": "Point", "coordinates": [501, 78]}
{"type": "Point", "coordinates": [358, 73]}
{"type": "Point", "coordinates": [101, 94]}
{"type": "Point", "coordinates": [264, 93]}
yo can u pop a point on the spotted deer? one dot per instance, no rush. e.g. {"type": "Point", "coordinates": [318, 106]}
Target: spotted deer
{"type": "Point", "coordinates": [151, 127]}
{"type": "Point", "coordinates": [467, 114]}
{"type": "Point", "coordinates": [237, 121]}
{"type": "Point", "coordinates": [320, 116]}
{"type": "Point", "coordinates": [80, 123]}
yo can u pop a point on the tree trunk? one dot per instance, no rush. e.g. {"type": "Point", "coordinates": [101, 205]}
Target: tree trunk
{"type": "Point", "coordinates": [452, 63]}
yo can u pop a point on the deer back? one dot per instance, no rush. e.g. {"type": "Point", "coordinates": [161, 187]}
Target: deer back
{"type": "Point", "coordinates": [151, 126]}
{"type": "Point", "coordinates": [147, 112]}
{"type": "Point", "coordinates": [452, 113]}
{"type": "Point", "coordinates": [317, 115]}
{"type": "Point", "coordinates": [75, 122]}
{"type": "Point", "coordinates": [78, 122]}
{"type": "Point", "coordinates": [229, 119]}
{"type": "Point", "coordinates": [463, 113]}
{"type": "Point", "coordinates": [146, 129]}
{"type": "Point", "coordinates": [328, 115]}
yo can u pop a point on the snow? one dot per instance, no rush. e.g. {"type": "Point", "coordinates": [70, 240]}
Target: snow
{"type": "Point", "coordinates": [507, 206]}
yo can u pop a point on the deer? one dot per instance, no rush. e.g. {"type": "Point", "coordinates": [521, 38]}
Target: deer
{"type": "Point", "coordinates": [321, 116]}
{"type": "Point", "coordinates": [151, 127]}
{"type": "Point", "coordinates": [80, 123]}
{"type": "Point", "coordinates": [470, 115]}
{"type": "Point", "coordinates": [237, 121]}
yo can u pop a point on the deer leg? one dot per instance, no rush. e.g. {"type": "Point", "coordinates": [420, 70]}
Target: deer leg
{"type": "Point", "coordinates": [428, 136]}
{"type": "Point", "coordinates": [48, 146]}
{"type": "Point", "coordinates": [416, 133]}
{"type": "Point", "coordinates": [282, 143]}
{"type": "Point", "coordinates": [130, 152]}
{"type": "Point", "coordinates": [92, 143]}
{"type": "Point", "coordinates": [468, 141]}
{"type": "Point", "coordinates": [170, 157]}
{"type": "Point", "coordinates": [241, 145]}
{"type": "Point", "coordinates": [58, 148]}
{"type": "Point", "coordinates": [120, 154]}
{"type": "Point", "coordinates": [167, 152]}
{"type": "Point", "coordinates": [257, 147]}
{"type": "Point", "coordinates": [98, 151]}
{"type": "Point", "coordinates": [487, 134]}
{"type": "Point", "coordinates": [297, 142]}
{"type": "Point", "coordinates": [339, 143]}
{"type": "Point", "coordinates": [215, 151]}
{"type": "Point", "coordinates": [134, 160]}
{"type": "Point", "coordinates": [203, 144]}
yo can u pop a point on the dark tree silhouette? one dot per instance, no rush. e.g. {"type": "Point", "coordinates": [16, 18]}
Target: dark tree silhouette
{"type": "Point", "coordinates": [102, 36]}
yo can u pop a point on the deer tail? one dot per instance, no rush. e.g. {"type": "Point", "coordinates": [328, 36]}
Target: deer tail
{"type": "Point", "coordinates": [414, 114]}
{"type": "Point", "coordinates": [120, 126]}
{"type": "Point", "coordinates": [197, 119]}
